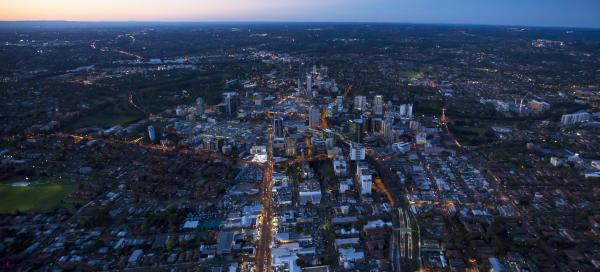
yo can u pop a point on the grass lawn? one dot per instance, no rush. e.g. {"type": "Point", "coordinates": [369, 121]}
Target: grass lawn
{"type": "Point", "coordinates": [471, 132]}
{"type": "Point", "coordinates": [35, 197]}
{"type": "Point", "coordinates": [107, 112]}
{"type": "Point", "coordinates": [412, 74]}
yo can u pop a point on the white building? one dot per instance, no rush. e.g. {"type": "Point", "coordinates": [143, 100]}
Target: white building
{"type": "Point", "coordinates": [376, 224]}
{"type": "Point", "coordinates": [258, 149]}
{"type": "Point", "coordinates": [360, 102]}
{"type": "Point", "coordinates": [364, 178]}
{"type": "Point", "coordinates": [284, 260]}
{"type": "Point", "coordinates": [401, 147]}
{"type": "Point", "coordinates": [348, 256]}
{"type": "Point", "coordinates": [262, 157]}
{"type": "Point", "coordinates": [378, 105]}
{"type": "Point", "coordinates": [406, 111]}
{"type": "Point", "coordinates": [357, 152]}
{"type": "Point", "coordinates": [309, 192]}
{"type": "Point", "coordinates": [340, 167]}
{"type": "Point", "coordinates": [574, 118]}
{"type": "Point", "coordinates": [555, 161]}
{"type": "Point", "coordinates": [345, 185]}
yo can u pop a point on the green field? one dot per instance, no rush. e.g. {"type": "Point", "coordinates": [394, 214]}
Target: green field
{"type": "Point", "coordinates": [471, 132]}
{"type": "Point", "coordinates": [412, 74]}
{"type": "Point", "coordinates": [35, 197]}
{"type": "Point", "coordinates": [108, 112]}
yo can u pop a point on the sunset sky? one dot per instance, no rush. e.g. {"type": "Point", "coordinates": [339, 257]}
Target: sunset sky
{"type": "Point", "coordinates": [582, 13]}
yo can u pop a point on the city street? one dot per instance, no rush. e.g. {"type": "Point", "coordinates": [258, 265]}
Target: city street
{"type": "Point", "coordinates": [263, 252]}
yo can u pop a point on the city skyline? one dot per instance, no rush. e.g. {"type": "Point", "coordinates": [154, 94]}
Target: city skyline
{"type": "Point", "coordinates": [579, 13]}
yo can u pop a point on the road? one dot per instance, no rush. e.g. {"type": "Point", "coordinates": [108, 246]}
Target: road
{"type": "Point", "coordinates": [263, 251]}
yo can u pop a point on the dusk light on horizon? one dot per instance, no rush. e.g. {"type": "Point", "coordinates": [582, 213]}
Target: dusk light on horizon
{"type": "Point", "coordinates": [576, 13]}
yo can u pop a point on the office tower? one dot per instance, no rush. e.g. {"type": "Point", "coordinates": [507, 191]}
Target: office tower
{"type": "Point", "coordinates": [378, 105]}
{"type": "Point", "coordinates": [231, 102]}
{"type": "Point", "coordinates": [360, 102]}
{"type": "Point", "coordinates": [278, 126]}
{"type": "Point", "coordinates": [200, 106]}
{"type": "Point", "coordinates": [402, 110]}
{"type": "Point", "coordinates": [300, 78]}
{"type": "Point", "coordinates": [364, 178]}
{"type": "Point", "coordinates": [357, 152]}
{"type": "Point", "coordinates": [290, 147]}
{"type": "Point", "coordinates": [309, 85]}
{"type": "Point", "coordinates": [329, 136]}
{"type": "Point", "coordinates": [409, 110]}
{"type": "Point", "coordinates": [387, 129]}
{"type": "Point", "coordinates": [314, 117]}
{"type": "Point", "coordinates": [356, 127]}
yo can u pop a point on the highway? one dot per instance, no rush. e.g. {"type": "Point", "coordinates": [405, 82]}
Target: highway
{"type": "Point", "coordinates": [263, 251]}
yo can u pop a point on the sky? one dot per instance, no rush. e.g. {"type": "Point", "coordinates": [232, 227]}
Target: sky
{"type": "Point", "coordinates": [570, 13]}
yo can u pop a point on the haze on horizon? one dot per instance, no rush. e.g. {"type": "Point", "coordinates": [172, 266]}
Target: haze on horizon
{"type": "Point", "coordinates": [571, 13]}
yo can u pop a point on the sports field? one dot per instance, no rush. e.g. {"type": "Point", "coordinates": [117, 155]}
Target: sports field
{"type": "Point", "coordinates": [34, 197]}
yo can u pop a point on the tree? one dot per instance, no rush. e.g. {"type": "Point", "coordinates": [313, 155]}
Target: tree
{"type": "Point", "coordinates": [170, 244]}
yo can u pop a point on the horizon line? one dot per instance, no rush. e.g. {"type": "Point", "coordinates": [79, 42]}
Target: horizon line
{"type": "Point", "coordinates": [291, 21]}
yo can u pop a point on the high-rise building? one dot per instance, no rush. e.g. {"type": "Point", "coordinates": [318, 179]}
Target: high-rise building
{"type": "Point", "coordinates": [309, 91]}
{"type": "Point", "coordinates": [300, 78]}
{"type": "Point", "coordinates": [290, 146]}
{"type": "Point", "coordinates": [360, 102]}
{"type": "Point", "coordinates": [402, 110]}
{"type": "Point", "coordinates": [314, 117]}
{"type": "Point", "coordinates": [200, 106]}
{"type": "Point", "coordinates": [357, 152]}
{"type": "Point", "coordinates": [376, 125]}
{"type": "Point", "coordinates": [387, 129]}
{"type": "Point", "coordinates": [356, 128]}
{"type": "Point", "coordinates": [406, 110]}
{"type": "Point", "coordinates": [278, 127]}
{"type": "Point", "coordinates": [231, 102]}
{"type": "Point", "coordinates": [378, 105]}
{"type": "Point", "coordinates": [329, 135]}
{"type": "Point", "coordinates": [364, 178]}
